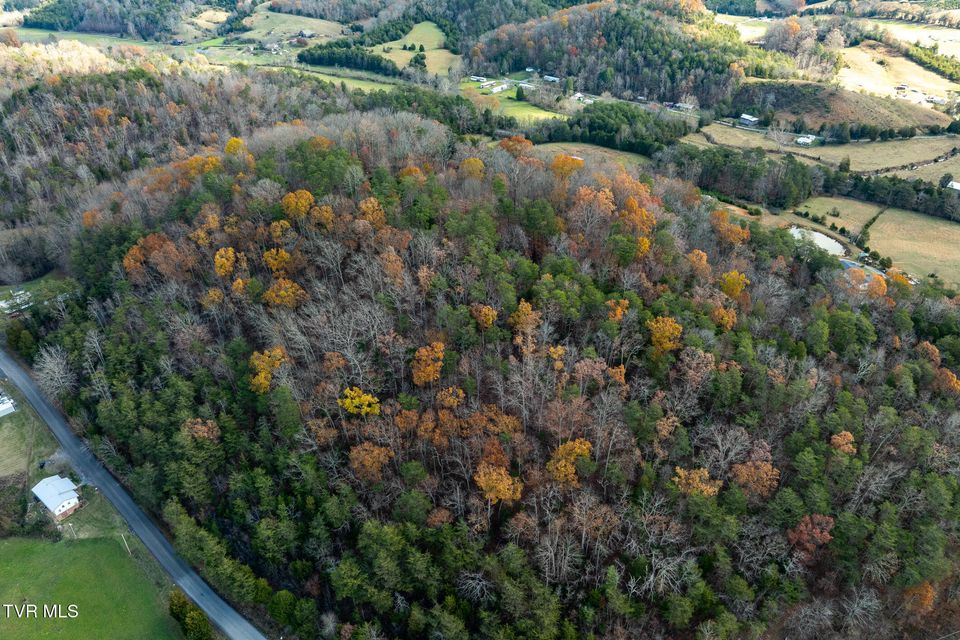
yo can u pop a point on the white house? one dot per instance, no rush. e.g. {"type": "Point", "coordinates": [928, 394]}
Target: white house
{"type": "Point", "coordinates": [526, 86]}
{"type": "Point", "coordinates": [478, 79]}
{"type": "Point", "coordinates": [530, 70]}
{"type": "Point", "coordinates": [502, 87]}
{"type": "Point", "coordinates": [7, 405]}
{"type": "Point", "coordinates": [748, 120]}
{"type": "Point", "coordinates": [805, 141]}
{"type": "Point", "coordinates": [58, 495]}
{"type": "Point", "coordinates": [953, 184]}
{"type": "Point", "coordinates": [487, 83]}
{"type": "Point", "coordinates": [684, 106]}
{"type": "Point", "coordinates": [551, 79]}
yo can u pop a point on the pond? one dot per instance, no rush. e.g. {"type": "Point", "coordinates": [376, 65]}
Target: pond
{"type": "Point", "coordinates": [822, 240]}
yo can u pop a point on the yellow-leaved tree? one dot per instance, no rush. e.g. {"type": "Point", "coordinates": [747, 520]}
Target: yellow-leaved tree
{"type": "Point", "coordinates": [562, 467]}
{"type": "Point", "coordinates": [297, 203]}
{"type": "Point", "coordinates": [496, 483]}
{"type": "Point", "coordinates": [358, 403]}
{"type": "Point", "coordinates": [427, 363]}
{"type": "Point", "coordinates": [664, 334]}
{"type": "Point", "coordinates": [264, 363]}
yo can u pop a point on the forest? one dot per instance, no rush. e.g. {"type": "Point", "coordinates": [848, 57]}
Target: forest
{"type": "Point", "coordinates": [383, 381]}
{"type": "Point", "coordinates": [147, 19]}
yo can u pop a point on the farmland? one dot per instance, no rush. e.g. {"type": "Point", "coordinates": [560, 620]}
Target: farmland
{"type": "Point", "coordinates": [946, 39]}
{"type": "Point", "coordinates": [853, 213]}
{"type": "Point", "coordinates": [919, 244]}
{"type": "Point", "coordinates": [931, 172]}
{"type": "Point", "coordinates": [427, 34]}
{"type": "Point", "coordinates": [506, 104]}
{"type": "Point", "coordinates": [91, 574]}
{"type": "Point", "coordinates": [878, 69]}
{"type": "Point", "coordinates": [750, 28]}
{"type": "Point", "coordinates": [864, 156]}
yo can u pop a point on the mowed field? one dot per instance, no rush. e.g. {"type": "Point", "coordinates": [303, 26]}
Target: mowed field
{"type": "Point", "coordinates": [428, 34]}
{"type": "Point", "coordinates": [876, 68]}
{"type": "Point", "coordinates": [931, 172]}
{"type": "Point", "coordinates": [114, 599]}
{"type": "Point", "coordinates": [864, 156]}
{"type": "Point", "coordinates": [751, 29]}
{"type": "Point", "coordinates": [506, 103]}
{"type": "Point", "coordinates": [919, 244]}
{"type": "Point", "coordinates": [591, 151]}
{"type": "Point", "coordinates": [853, 213]}
{"type": "Point", "coordinates": [946, 39]}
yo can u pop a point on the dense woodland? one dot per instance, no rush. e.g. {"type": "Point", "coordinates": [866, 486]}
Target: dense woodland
{"type": "Point", "coordinates": [386, 369]}
{"type": "Point", "coordinates": [374, 376]}
{"type": "Point", "coordinates": [148, 19]}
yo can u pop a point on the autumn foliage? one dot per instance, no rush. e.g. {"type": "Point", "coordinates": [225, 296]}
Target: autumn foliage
{"type": "Point", "coordinates": [427, 364]}
{"type": "Point", "coordinates": [562, 466]}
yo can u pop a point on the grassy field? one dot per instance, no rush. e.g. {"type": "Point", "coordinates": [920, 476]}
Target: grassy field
{"type": "Point", "coordinates": [113, 597]}
{"type": "Point", "coordinates": [919, 244]}
{"type": "Point", "coordinates": [946, 38]}
{"type": "Point", "coordinates": [853, 213]}
{"type": "Point", "coordinates": [507, 104]}
{"type": "Point", "coordinates": [93, 39]}
{"type": "Point", "coordinates": [428, 34]}
{"type": "Point", "coordinates": [876, 68]}
{"type": "Point", "coordinates": [590, 151]}
{"type": "Point", "coordinates": [24, 439]}
{"type": "Point", "coordinates": [864, 156]}
{"type": "Point", "coordinates": [751, 29]}
{"type": "Point", "coordinates": [274, 27]}
{"type": "Point", "coordinates": [41, 290]}
{"type": "Point", "coordinates": [931, 172]}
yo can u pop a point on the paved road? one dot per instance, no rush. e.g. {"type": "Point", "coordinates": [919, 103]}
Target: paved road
{"type": "Point", "coordinates": [220, 613]}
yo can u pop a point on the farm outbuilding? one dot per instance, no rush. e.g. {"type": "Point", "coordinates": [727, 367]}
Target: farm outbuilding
{"type": "Point", "coordinates": [59, 495]}
{"type": "Point", "coordinates": [805, 141]}
{"type": "Point", "coordinates": [748, 120]}
{"type": "Point", "coordinates": [551, 79]}
{"type": "Point", "coordinates": [7, 405]}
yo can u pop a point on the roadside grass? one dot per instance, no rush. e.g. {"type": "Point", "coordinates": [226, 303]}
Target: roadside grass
{"type": "Point", "coordinates": [113, 597]}
{"type": "Point", "coordinates": [919, 244]}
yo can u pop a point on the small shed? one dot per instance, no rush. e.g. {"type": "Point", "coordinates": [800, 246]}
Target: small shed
{"type": "Point", "coordinates": [59, 495]}
{"type": "Point", "coordinates": [748, 120]}
{"type": "Point", "coordinates": [805, 141]}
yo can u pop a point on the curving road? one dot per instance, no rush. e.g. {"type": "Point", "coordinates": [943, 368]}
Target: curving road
{"type": "Point", "coordinates": [221, 614]}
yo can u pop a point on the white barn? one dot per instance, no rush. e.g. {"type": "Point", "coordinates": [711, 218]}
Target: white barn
{"type": "Point", "coordinates": [748, 120]}
{"type": "Point", "coordinates": [58, 495]}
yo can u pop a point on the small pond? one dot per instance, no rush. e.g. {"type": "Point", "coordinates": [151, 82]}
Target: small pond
{"type": "Point", "coordinates": [822, 240]}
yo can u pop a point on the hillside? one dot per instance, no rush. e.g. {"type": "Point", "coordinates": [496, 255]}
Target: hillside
{"type": "Point", "coordinates": [658, 50]}
{"type": "Point", "coordinates": [818, 104]}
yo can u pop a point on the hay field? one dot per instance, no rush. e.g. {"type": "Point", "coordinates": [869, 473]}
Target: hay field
{"type": "Point", "coordinates": [864, 156]}
{"type": "Point", "coordinates": [919, 244]}
{"type": "Point", "coordinates": [428, 34]}
{"type": "Point", "coordinates": [946, 38]}
{"type": "Point", "coordinates": [878, 69]}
